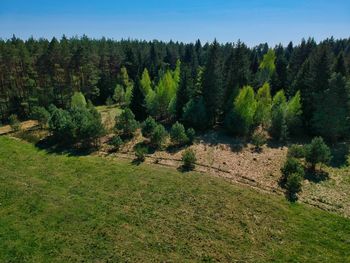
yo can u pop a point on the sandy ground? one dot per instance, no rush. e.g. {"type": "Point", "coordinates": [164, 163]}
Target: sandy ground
{"type": "Point", "coordinates": [231, 159]}
{"type": "Point", "coordinates": [220, 155]}
{"type": "Point", "coordinates": [26, 125]}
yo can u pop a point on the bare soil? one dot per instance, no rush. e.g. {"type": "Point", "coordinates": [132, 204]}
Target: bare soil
{"type": "Point", "coordinates": [25, 125]}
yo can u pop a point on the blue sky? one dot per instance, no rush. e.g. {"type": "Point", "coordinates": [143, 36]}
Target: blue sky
{"type": "Point", "coordinates": [252, 21]}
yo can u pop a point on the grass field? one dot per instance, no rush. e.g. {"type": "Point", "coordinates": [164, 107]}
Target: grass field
{"type": "Point", "coordinates": [57, 208]}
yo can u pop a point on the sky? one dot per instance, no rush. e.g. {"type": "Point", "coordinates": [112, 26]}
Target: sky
{"type": "Point", "coordinates": [251, 21]}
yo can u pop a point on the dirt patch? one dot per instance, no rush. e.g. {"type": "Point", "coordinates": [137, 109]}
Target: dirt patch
{"type": "Point", "coordinates": [25, 125]}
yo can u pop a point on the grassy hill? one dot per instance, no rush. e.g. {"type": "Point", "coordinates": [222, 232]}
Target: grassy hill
{"type": "Point", "coordinates": [66, 209]}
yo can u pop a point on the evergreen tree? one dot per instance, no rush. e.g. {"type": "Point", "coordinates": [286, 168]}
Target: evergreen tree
{"type": "Point", "coordinates": [213, 86]}
{"type": "Point", "coordinates": [331, 116]}
{"type": "Point", "coordinates": [237, 72]}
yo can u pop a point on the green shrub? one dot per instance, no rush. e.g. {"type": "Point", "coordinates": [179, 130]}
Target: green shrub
{"type": "Point", "coordinates": [317, 152]}
{"type": "Point", "coordinates": [148, 127]}
{"type": "Point", "coordinates": [259, 138]}
{"type": "Point", "coordinates": [78, 124]}
{"type": "Point", "coordinates": [116, 142]}
{"type": "Point", "coordinates": [78, 100]}
{"type": "Point", "coordinates": [178, 135]}
{"type": "Point", "coordinates": [189, 159]}
{"type": "Point", "coordinates": [125, 123]}
{"type": "Point", "coordinates": [14, 122]}
{"type": "Point", "coordinates": [140, 153]}
{"type": "Point", "coordinates": [293, 185]}
{"type": "Point", "coordinates": [191, 133]}
{"type": "Point", "coordinates": [296, 151]}
{"type": "Point", "coordinates": [41, 115]}
{"type": "Point", "coordinates": [291, 166]}
{"type": "Point", "coordinates": [158, 137]}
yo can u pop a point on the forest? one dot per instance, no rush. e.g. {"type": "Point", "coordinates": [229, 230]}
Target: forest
{"type": "Point", "coordinates": [299, 89]}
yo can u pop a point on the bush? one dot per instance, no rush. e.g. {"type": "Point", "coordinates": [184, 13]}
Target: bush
{"type": "Point", "coordinates": [296, 151]}
{"type": "Point", "coordinates": [190, 135]}
{"type": "Point", "coordinates": [140, 153]}
{"type": "Point", "coordinates": [178, 135]}
{"type": "Point", "coordinates": [158, 137]}
{"type": "Point", "coordinates": [293, 185]}
{"type": "Point", "coordinates": [41, 115]}
{"type": "Point", "coordinates": [76, 125]}
{"type": "Point", "coordinates": [126, 124]}
{"type": "Point", "coordinates": [61, 125]}
{"type": "Point", "coordinates": [291, 166]}
{"type": "Point", "coordinates": [14, 122]}
{"type": "Point", "coordinates": [189, 159]}
{"type": "Point", "coordinates": [317, 152]}
{"type": "Point", "coordinates": [116, 142]}
{"type": "Point", "coordinates": [148, 127]}
{"type": "Point", "coordinates": [78, 100]}
{"type": "Point", "coordinates": [259, 138]}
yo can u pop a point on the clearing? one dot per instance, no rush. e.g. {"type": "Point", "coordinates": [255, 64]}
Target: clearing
{"type": "Point", "coordinates": [59, 208]}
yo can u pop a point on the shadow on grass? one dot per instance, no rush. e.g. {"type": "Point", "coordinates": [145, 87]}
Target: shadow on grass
{"type": "Point", "coordinates": [137, 161]}
{"type": "Point", "coordinates": [185, 169]}
{"type": "Point", "coordinates": [221, 136]}
{"type": "Point", "coordinates": [49, 145]}
{"type": "Point", "coordinates": [316, 176]}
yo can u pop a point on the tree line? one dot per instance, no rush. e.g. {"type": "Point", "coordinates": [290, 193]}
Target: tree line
{"type": "Point", "coordinates": [296, 89]}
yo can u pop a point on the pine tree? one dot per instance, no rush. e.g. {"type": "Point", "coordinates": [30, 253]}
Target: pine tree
{"type": "Point", "coordinates": [213, 86]}
{"type": "Point", "coordinates": [331, 116]}
{"type": "Point", "coordinates": [237, 72]}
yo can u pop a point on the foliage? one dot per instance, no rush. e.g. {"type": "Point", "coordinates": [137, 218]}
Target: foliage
{"type": "Point", "coordinates": [140, 153]}
{"type": "Point", "coordinates": [41, 115]}
{"type": "Point", "coordinates": [159, 136]}
{"type": "Point", "coordinates": [268, 62]}
{"type": "Point", "coordinates": [213, 84]}
{"type": "Point", "coordinates": [148, 127]}
{"type": "Point", "coordinates": [279, 126]}
{"type": "Point", "coordinates": [330, 118]}
{"type": "Point", "coordinates": [79, 124]}
{"type": "Point", "coordinates": [293, 113]}
{"type": "Point", "coordinates": [317, 152]}
{"type": "Point", "coordinates": [147, 77]}
{"type": "Point", "coordinates": [195, 114]}
{"type": "Point", "coordinates": [124, 88]}
{"type": "Point", "coordinates": [191, 133]}
{"type": "Point", "coordinates": [125, 123]}
{"type": "Point", "coordinates": [189, 159]}
{"type": "Point", "coordinates": [259, 138]}
{"type": "Point", "coordinates": [241, 119]}
{"type": "Point", "coordinates": [293, 185]}
{"type": "Point", "coordinates": [116, 142]}
{"type": "Point", "coordinates": [160, 102]}
{"type": "Point", "coordinates": [78, 100]}
{"type": "Point", "coordinates": [296, 151]}
{"type": "Point", "coordinates": [146, 82]}
{"type": "Point", "coordinates": [263, 108]}
{"type": "Point", "coordinates": [14, 122]}
{"type": "Point", "coordinates": [178, 134]}
{"type": "Point", "coordinates": [61, 126]}
{"type": "Point", "coordinates": [291, 166]}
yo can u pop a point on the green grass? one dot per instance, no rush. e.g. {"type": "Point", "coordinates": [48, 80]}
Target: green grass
{"type": "Point", "coordinates": [72, 209]}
